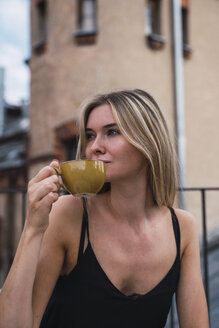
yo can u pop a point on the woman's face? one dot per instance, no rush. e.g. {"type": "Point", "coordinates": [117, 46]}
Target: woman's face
{"type": "Point", "coordinates": [106, 143]}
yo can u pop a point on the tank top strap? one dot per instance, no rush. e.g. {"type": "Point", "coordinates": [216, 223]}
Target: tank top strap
{"type": "Point", "coordinates": [84, 229]}
{"type": "Point", "coordinates": [176, 229]}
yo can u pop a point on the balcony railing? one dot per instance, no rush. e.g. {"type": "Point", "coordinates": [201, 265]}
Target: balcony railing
{"type": "Point", "coordinates": [204, 249]}
{"type": "Point", "coordinates": [23, 193]}
{"type": "Point", "coordinates": [172, 322]}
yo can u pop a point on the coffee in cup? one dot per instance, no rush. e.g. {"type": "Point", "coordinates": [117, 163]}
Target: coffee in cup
{"type": "Point", "coordinates": [82, 177]}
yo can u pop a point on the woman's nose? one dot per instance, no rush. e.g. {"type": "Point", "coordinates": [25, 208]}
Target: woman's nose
{"type": "Point", "coordinates": [98, 146]}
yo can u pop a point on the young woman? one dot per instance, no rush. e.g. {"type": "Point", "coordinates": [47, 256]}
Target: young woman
{"type": "Point", "coordinates": [116, 259]}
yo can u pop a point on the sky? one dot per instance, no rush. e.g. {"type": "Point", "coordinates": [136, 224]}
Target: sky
{"type": "Point", "coordinates": [15, 49]}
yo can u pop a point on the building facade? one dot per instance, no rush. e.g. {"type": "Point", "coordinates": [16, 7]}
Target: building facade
{"type": "Point", "coordinates": [84, 47]}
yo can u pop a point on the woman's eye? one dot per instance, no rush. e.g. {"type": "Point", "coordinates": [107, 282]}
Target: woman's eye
{"type": "Point", "coordinates": [112, 132]}
{"type": "Point", "coordinates": [89, 136]}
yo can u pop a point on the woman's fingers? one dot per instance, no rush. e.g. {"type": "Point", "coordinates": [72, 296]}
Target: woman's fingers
{"type": "Point", "coordinates": [45, 172]}
{"type": "Point", "coordinates": [42, 174]}
{"type": "Point", "coordinates": [40, 189]}
{"type": "Point", "coordinates": [54, 163]}
{"type": "Point", "coordinates": [48, 200]}
{"type": "Point", "coordinates": [42, 193]}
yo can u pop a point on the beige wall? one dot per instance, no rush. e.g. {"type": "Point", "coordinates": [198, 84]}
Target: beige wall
{"type": "Point", "coordinates": [202, 107]}
{"type": "Point", "coordinates": [201, 94]}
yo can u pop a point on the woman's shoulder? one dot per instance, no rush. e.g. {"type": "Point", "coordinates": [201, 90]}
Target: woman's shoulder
{"type": "Point", "coordinates": [66, 216]}
{"type": "Point", "coordinates": [188, 227]}
{"type": "Point", "coordinates": [67, 205]}
{"type": "Point", "coordinates": [185, 218]}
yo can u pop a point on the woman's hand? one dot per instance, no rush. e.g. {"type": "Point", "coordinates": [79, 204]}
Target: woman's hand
{"type": "Point", "coordinates": [42, 193]}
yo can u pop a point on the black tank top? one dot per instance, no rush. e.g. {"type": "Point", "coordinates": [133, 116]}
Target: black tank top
{"type": "Point", "coordinates": [87, 298]}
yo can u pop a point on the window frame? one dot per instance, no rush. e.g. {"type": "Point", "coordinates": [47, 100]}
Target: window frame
{"type": "Point", "coordinates": [187, 49]}
{"type": "Point", "coordinates": [153, 22]}
{"type": "Point", "coordinates": [85, 35]}
{"type": "Point", "coordinates": [42, 15]}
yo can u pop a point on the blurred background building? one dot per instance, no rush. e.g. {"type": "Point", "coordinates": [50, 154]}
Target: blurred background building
{"type": "Point", "coordinates": [14, 128]}
{"type": "Point", "coordinates": [84, 47]}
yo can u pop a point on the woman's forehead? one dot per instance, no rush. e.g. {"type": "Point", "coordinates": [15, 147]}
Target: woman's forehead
{"type": "Point", "coordinates": [101, 115]}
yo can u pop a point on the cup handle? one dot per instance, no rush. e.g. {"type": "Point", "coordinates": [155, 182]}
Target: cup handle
{"type": "Point", "coordinates": [59, 173]}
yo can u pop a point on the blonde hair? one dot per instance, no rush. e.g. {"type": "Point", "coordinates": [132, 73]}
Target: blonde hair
{"type": "Point", "coordinates": [141, 122]}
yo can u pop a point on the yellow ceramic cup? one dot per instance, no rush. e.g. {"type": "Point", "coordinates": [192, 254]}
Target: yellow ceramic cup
{"type": "Point", "coordinates": [82, 177]}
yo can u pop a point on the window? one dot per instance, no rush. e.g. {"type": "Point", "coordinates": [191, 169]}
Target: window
{"type": "Point", "coordinates": [153, 24]}
{"type": "Point", "coordinates": [70, 148]}
{"type": "Point", "coordinates": [187, 50]}
{"type": "Point", "coordinates": [86, 22]}
{"type": "Point", "coordinates": [65, 142]}
{"type": "Point", "coordinates": [41, 26]}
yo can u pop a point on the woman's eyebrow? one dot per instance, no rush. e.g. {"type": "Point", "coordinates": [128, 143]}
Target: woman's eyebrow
{"type": "Point", "coordinates": [110, 125]}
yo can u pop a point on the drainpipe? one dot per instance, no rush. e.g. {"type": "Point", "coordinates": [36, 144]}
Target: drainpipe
{"type": "Point", "coordinates": [2, 110]}
{"type": "Point", "coordinates": [179, 95]}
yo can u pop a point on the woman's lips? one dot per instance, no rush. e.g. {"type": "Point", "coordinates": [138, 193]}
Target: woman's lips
{"type": "Point", "coordinates": [104, 161]}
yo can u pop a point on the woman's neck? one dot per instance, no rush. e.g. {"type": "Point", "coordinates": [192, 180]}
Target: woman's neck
{"type": "Point", "coordinates": [128, 201]}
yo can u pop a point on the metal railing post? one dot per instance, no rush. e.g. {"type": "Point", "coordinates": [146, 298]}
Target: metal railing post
{"type": "Point", "coordinates": [23, 207]}
{"type": "Point", "coordinates": [205, 245]}
{"type": "Point", "coordinates": [172, 325]}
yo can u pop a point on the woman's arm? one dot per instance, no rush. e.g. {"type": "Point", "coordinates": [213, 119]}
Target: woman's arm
{"type": "Point", "coordinates": [61, 237]}
{"type": "Point", "coordinates": [191, 301]}
{"type": "Point", "coordinates": [16, 295]}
